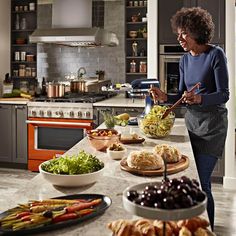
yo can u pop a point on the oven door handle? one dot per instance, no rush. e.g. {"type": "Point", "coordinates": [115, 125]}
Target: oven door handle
{"type": "Point", "coordinates": [56, 123]}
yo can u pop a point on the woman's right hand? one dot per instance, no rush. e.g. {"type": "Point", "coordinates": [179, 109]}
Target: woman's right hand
{"type": "Point", "coordinates": [157, 94]}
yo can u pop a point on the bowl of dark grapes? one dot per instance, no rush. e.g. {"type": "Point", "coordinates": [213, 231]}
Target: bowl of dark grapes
{"type": "Point", "coordinates": [171, 199]}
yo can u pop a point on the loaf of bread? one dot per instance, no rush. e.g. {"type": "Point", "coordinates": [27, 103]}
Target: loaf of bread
{"type": "Point", "coordinates": [144, 160]}
{"type": "Point", "coordinates": [167, 152]}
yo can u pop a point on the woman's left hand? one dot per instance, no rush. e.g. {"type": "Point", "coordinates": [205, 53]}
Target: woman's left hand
{"type": "Point", "coordinates": [192, 98]}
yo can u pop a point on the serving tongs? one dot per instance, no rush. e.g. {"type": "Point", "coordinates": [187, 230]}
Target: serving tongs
{"type": "Point", "coordinates": [168, 110]}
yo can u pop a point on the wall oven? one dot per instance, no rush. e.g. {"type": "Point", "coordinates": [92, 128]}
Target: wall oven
{"type": "Point", "coordinates": [53, 128]}
{"type": "Point", "coordinates": [169, 56]}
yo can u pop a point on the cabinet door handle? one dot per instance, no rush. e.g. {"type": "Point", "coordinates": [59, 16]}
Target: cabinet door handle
{"type": "Point", "coordinates": [19, 107]}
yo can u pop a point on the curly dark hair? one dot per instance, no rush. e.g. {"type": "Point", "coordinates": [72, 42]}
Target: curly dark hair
{"type": "Point", "coordinates": [195, 21]}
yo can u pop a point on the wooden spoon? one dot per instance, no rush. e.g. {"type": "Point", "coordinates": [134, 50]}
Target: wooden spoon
{"type": "Point", "coordinates": [179, 101]}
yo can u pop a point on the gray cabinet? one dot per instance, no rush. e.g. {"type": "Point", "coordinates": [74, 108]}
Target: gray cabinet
{"type": "Point", "coordinates": [6, 133]}
{"type": "Point", "coordinates": [167, 8]}
{"type": "Point", "coordinates": [19, 134]}
{"type": "Point", "coordinates": [13, 139]}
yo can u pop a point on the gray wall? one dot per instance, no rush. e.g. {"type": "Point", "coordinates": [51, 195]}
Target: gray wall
{"type": "Point", "coordinates": [54, 62]}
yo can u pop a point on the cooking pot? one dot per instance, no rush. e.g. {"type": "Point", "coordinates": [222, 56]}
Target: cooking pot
{"type": "Point", "coordinates": [78, 86]}
{"type": "Point", "coordinates": [55, 90]}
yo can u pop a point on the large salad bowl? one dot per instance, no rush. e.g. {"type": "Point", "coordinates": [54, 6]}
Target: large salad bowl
{"type": "Point", "coordinates": [58, 171]}
{"type": "Point", "coordinates": [153, 126]}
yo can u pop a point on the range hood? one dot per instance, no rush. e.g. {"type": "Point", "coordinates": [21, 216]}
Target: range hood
{"type": "Point", "coordinates": [71, 26]}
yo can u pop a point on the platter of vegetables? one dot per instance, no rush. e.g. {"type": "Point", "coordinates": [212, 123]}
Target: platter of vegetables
{"type": "Point", "coordinates": [42, 215]}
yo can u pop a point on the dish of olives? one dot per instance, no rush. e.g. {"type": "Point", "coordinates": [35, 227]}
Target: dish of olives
{"type": "Point", "coordinates": [172, 199]}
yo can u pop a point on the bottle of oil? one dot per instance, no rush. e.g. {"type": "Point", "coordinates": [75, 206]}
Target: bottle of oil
{"type": "Point", "coordinates": [44, 90]}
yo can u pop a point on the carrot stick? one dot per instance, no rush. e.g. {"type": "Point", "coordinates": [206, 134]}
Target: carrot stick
{"type": "Point", "coordinates": [57, 201]}
{"type": "Point", "coordinates": [81, 206]}
{"type": "Point", "coordinates": [72, 215]}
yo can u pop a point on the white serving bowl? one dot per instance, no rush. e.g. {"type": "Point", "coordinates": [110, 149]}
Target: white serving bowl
{"type": "Point", "coordinates": [157, 213]}
{"type": "Point", "coordinates": [71, 180]}
{"type": "Point", "coordinates": [117, 155]}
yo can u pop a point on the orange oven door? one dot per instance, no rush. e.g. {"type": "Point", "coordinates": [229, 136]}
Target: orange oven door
{"type": "Point", "coordinates": [48, 138]}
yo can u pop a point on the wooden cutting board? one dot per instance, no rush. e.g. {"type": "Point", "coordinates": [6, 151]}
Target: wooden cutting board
{"type": "Point", "coordinates": [14, 99]}
{"type": "Point", "coordinates": [172, 168]}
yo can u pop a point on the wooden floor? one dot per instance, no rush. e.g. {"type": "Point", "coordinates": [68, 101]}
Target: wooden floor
{"type": "Point", "coordinates": [225, 200]}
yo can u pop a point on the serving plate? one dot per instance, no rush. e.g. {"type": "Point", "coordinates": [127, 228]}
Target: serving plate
{"type": "Point", "coordinates": [157, 213]}
{"type": "Point", "coordinates": [100, 209]}
{"type": "Point", "coordinates": [172, 168]}
{"type": "Point", "coordinates": [132, 141]}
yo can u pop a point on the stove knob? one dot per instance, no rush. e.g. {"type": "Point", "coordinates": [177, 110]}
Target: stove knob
{"type": "Point", "coordinates": [49, 113]}
{"type": "Point", "coordinates": [34, 113]}
{"type": "Point", "coordinates": [41, 113]}
{"type": "Point", "coordinates": [61, 113]}
{"type": "Point", "coordinates": [80, 114]}
{"type": "Point", "coordinates": [87, 114]}
{"type": "Point", "coordinates": [72, 114]}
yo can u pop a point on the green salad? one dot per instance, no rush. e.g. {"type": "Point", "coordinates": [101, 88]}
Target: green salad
{"type": "Point", "coordinates": [82, 163]}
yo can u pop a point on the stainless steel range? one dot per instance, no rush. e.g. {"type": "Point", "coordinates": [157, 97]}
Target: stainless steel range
{"type": "Point", "coordinates": [60, 110]}
{"type": "Point", "coordinates": [57, 124]}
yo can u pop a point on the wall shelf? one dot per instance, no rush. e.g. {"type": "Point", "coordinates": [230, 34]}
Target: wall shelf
{"type": "Point", "coordinates": [135, 48]}
{"type": "Point", "coordinates": [20, 34]}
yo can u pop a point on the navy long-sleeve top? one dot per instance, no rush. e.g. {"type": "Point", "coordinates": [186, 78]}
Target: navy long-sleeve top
{"type": "Point", "coordinates": [210, 69]}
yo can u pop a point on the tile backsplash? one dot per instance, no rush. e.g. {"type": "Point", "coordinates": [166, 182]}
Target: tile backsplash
{"type": "Point", "coordinates": [54, 61]}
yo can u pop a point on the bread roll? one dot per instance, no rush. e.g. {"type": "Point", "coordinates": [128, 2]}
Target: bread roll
{"type": "Point", "coordinates": [185, 232]}
{"type": "Point", "coordinates": [123, 228]}
{"type": "Point", "coordinates": [193, 224]}
{"type": "Point", "coordinates": [171, 154]}
{"type": "Point", "coordinates": [145, 227]}
{"type": "Point", "coordinates": [201, 232]}
{"type": "Point", "coordinates": [158, 224]}
{"type": "Point", "coordinates": [144, 160]}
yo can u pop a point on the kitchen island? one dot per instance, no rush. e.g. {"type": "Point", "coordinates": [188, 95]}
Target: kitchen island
{"type": "Point", "coordinates": [111, 184]}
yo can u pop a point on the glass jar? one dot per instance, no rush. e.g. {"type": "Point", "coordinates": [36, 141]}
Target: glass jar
{"type": "Point", "coordinates": [21, 70]}
{"type": "Point", "coordinates": [141, 3]}
{"type": "Point", "coordinates": [31, 6]}
{"type": "Point", "coordinates": [134, 49]}
{"type": "Point", "coordinates": [23, 24]}
{"type": "Point", "coordinates": [132, 66]}
{"type": "Point", "coordinates": [33, 72]}
{"type": "Point", "coordinates": [136, 3]}
{"type": "Point", "coordinates": [15, 73]}
{"type": "Point", "coordinates": [28, 71]}
{"type": "Point", "coordinates": [143, 67]}
{"type": "Point", "coordinates": [17, 56]}
{"type": "Point", "coordinates": [24, 86]}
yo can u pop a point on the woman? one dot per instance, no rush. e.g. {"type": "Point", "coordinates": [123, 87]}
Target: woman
{"type": "Point", "coordinates": [206, 116]}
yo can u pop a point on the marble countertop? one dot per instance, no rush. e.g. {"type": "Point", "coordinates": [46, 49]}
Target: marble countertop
{"type": "Point", "coordinates": [117, 101]}
{"type": "Point", "coordinates": [112, 183]}
{"type": "Point", "coordinates": [14, 101]}
{"type": "Point", "coordinates": [120, 101]}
